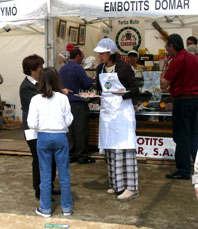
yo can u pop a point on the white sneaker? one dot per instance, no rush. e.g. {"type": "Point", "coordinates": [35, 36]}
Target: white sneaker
{"type": "Point", "coordinates": [110, 191]}
{"type": "Point", "coordinates": [67, 213]}
{"type": "Point", "coordinates": [128, 195]}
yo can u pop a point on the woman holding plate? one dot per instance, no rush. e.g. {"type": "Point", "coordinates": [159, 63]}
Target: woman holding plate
{"type": "Point", "coordinates": [117, 124]}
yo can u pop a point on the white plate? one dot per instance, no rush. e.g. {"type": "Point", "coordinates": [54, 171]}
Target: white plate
{"type": "Point", "coordinates": [87, 97]}
{"type": "Point", "coordinates": [117, 92]}
{"type": "Point", "coordinates": [149, 108]}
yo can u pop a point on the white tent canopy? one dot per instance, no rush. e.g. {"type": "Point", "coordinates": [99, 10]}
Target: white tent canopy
{"type": "Point", "coordinates": [20, 10]}
{"type": "Point", "coordinates": [21, 34]}
{"type": "Point", "coordinates": [177, 12]}
{"type": "Point", "coordinates": [122, 8]}
{"type": "Point", "coordinates": [24, 10]}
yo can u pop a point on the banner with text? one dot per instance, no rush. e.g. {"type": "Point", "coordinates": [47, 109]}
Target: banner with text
{"type": "Point", "coordinates": [18, 10]}
{"type": "Point", "coordinates": [123, 8]}
{"type": "Point", "coordinates": [155, 147]}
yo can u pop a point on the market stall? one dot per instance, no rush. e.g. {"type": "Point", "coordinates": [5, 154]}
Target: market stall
{"type": "Point", "coordinates": [154, 126]}
{"type": "Point", "coordinates": [99, 19]}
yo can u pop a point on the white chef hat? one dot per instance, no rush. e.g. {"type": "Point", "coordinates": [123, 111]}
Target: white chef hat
{"type": "Point", "coordinates": [106, 45]}
{"type": "Point", "coordinates": [192, 48]}
{"type": "Point", "coordinates": [65, 55]}
{"type": "Point", "coordinates": [133, 52]}
{"type": "Point", "coordinates": [89, 62]}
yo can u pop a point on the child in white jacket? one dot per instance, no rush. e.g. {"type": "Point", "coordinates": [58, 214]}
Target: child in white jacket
{"type": "Point", "coordinates": [50, 114]}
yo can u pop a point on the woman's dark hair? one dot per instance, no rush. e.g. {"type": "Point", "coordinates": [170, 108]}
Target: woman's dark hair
{"type": "Point", "coordinates": [31, 63]}
{"type": "Point", "coordinates": [49, 82]}
{"type": "Point", "coordinates": [114, 57]}
{"type": "Point", "coordinates": [176, 41]}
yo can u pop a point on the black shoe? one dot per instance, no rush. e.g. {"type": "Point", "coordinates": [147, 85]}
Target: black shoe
{"type": "Point", "coordinates": [86, 160]}
{"type": "Point", "coordinates": [56, 191]}
{"type": "Point", "coordinates": [177, 175]}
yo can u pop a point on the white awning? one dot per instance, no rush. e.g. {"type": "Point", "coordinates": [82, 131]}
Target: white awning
{"type": "Point", "coordinates": [122, 8]}
{"type": "Point", "coordinates": [19, 10]}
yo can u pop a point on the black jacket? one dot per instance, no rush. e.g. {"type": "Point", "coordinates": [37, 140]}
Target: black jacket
{"type": "Point", "coordinates": [125, 75]}
{"type": "Point", "coordinates": [27, 91]}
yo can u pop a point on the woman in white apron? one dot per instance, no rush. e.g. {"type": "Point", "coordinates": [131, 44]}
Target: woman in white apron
{"type": "Point", "coordinates": [117, 137]}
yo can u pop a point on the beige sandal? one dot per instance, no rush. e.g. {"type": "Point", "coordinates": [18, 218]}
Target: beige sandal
{"type": "Point", "coordinates": [128, 195]}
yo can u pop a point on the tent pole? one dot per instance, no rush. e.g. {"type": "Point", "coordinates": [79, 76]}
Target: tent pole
{"type": "Point", "coordinates": [52, 53]}
{"type": "Point", "coordinates": [46, 43]}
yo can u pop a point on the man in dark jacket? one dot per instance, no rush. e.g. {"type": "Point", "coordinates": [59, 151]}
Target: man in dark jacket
{"type": "Point", "coordinates": [74, 78]}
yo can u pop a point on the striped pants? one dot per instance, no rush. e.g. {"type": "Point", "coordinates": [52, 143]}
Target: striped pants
{"type": "Point", "coordinates": [122, 169]}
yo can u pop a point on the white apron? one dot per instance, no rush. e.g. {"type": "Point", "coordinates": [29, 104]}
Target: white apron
{"type": "Point", "coordinates": [117, 116]}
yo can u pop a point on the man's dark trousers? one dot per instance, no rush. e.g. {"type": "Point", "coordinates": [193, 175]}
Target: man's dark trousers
{"type": "Point", "coordinates": [78, 132]}
{"type": "Point", "coordinates": [185, 133]}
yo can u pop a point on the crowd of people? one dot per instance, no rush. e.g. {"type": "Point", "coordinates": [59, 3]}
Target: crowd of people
{"type": "Point", "coordinates": [56, 121]}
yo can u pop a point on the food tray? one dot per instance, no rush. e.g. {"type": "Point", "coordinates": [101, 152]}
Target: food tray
{"type": "Point", "coordinates": [117, 92]}
{"type": "Point", "coordinates": [87, 97]}
{"type": "Point", "coordinates": [149, 108]}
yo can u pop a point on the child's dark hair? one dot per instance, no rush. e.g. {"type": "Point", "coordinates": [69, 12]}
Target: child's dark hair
{"type": "Point", "coordinates": [49, 82]}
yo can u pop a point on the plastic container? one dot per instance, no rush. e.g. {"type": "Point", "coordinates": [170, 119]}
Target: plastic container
{"type": "Point", "coordinates": [142, 51]}
{"type": "Point", "coordinates": [161, 52]}
{"type": "Point", "coordinates": [161, 63]}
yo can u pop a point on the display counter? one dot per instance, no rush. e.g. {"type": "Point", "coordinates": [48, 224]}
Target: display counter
{"type": "Point", "coordinates": [153, 118]}
{"type": "Point", "coordinates": [154, 134]}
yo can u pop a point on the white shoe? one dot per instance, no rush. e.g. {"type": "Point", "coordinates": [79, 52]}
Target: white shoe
{"type": "Point", "coordinates": [110, 191]}
{"type": "Point", "coordinates": [128, 195]}
{"type": "Point", "coordinates": [67, 213]}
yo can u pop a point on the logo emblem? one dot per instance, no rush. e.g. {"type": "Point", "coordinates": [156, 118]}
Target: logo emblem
{"type": "Point", "coordinates": [128, 38]}
{"type": "Point", "coordinates": [108, 85]}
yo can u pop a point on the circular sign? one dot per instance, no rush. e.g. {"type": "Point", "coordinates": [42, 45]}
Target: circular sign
{"type": "Point", "coordinates": [128, 38]}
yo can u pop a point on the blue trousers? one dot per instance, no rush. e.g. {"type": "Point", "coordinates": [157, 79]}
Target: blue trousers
{"type": "Point", "coordinates": [185, 133]}
{"type": "Point", "coordinates": [49, 144]}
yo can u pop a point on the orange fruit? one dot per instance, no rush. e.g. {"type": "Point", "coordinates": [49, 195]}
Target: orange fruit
{"type": "Point", "coordinates": [145, 104]}
{"type": "Point", "coordinates": [162, 105]}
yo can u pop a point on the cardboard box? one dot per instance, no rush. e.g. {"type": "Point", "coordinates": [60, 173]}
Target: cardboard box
{"type": "Point", "coordinates": [9, 111]}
